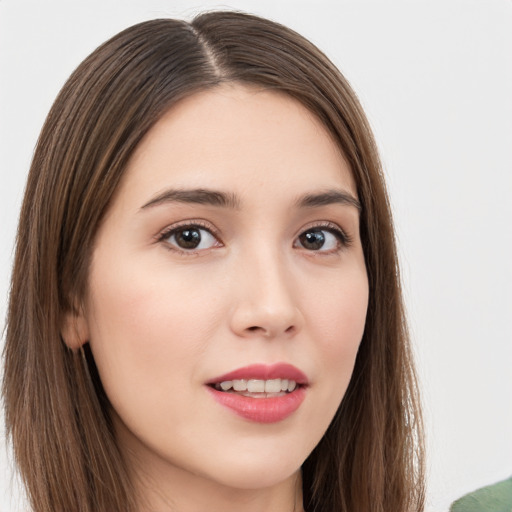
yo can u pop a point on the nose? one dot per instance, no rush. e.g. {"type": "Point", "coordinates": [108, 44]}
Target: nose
{"type": "Point", "coordinates": [266, 303]}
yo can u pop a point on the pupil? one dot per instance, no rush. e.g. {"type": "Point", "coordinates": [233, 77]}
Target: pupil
{"type": "Point", "coordinates": [188, 238]}
{"type": "Point", "coordinates": [312, 239]}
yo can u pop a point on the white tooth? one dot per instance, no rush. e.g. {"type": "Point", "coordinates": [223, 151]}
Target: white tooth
{"type": "Point", "coordinates": [227, 384]}
{"type": "Point", "coordinates": [240, 385]}
{"type": "Point", "coordinates": [284, 384]}
{"type": "Point", "coordinates": [292, 385]}
{"type": "Point", "coordinates": [255, 386]}
{"type": "Point", "coordinates": [273, 386]}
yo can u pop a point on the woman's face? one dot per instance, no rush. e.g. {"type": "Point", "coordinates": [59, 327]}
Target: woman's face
{"type": "Point", "coordinates": [231, 253]}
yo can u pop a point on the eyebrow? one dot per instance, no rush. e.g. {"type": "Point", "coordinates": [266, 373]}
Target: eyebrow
{"type": "Point", "coordinates": [230, 200]}
{"type": "Point", "coordinates": [195, 196]}
{"type": "Point", "coordinates": [328, 197]}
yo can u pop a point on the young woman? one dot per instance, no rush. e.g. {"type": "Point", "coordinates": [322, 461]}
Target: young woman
{"type": "Point", "coordinates": [205, 310]}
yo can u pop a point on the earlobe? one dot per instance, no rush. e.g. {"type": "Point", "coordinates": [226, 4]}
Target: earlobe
{"type": "Point", "coordinates": [74, 330]}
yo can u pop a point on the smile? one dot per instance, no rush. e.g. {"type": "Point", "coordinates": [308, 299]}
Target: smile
{"type": "Point", "coordinates": [257, 388]}
{"type": "Point", "coordinates": [261, 393]}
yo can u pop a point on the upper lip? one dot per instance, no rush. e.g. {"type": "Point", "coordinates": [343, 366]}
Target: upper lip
{"type": "Point", "coordinates": [264, 372]}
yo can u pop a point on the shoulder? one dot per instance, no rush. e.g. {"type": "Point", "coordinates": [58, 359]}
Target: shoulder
{"type": "Point", "coordinates": [493, 498]}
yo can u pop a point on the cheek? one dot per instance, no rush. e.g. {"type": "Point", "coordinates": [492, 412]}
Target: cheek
{"type": "Point", "coordinates": [338, 311]}
{"type": "Point", "coordinates": [148, 331]}
{"type": "Point", "coordinates": [143, 305]}
{"type": "Point", "coordinates": [338, 317]}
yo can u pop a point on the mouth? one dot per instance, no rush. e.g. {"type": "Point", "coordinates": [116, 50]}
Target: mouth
{"type": "Point", "coordinates": [261, 393]}
{"type": "Point", "coordinates": [257, 388]}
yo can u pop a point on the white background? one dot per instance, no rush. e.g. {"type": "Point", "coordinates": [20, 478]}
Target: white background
{"type": "Point", "coordinates": [435, 78]}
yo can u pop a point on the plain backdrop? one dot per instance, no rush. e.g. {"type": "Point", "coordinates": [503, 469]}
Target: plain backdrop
{"type": "Point", "coordinates": [435, 78]}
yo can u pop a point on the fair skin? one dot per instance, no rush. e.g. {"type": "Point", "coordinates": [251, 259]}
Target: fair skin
{"type": "Point", "coordinates": [187, 285]}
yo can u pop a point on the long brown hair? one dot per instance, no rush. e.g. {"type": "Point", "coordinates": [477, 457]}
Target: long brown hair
{"type": "Point", "coordinates": [58, 417]}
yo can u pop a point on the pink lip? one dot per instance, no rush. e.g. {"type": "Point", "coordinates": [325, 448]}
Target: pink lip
{"type": "Point", "coordinates": [264, 372]}
{"type": "Point", "coordinates": [262, 410]}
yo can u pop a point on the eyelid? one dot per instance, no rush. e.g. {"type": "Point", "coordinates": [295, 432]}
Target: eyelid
{"type": "Point", "coordinates": [344, 238]}
{"type": "Point", "coordinates": [341, 234]}
{"type": "Point", "coordinates": [188, 223]}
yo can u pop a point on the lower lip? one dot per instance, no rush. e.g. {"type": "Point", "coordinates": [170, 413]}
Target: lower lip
{"type": "Point", "coordinates": [261, 410]}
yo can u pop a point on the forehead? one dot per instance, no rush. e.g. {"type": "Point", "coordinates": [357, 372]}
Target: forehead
{"type": "Point", "coordinates": [242, 137]}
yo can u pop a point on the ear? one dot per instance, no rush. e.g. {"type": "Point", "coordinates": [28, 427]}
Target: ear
{"type": "Point", "coordinates": [74, 329]}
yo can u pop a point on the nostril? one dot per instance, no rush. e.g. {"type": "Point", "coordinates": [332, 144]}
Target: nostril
{"type": "Point", "coordinates": [268, 332]}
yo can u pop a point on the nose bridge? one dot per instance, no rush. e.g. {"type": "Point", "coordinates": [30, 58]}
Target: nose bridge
{"type": "Point", "coordinates": [272, 280]}
{"type": "Point", "coordinates": [266, 300]}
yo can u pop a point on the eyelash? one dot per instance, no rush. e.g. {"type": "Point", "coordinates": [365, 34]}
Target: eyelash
{"type": "Point", "coordinates": [343, 238]}
{"type": "Point", "coordinates": [175, 228]}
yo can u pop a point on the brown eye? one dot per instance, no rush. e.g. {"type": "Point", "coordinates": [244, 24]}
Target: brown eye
{"type": "Point", "coordinates": [190, 238]}
{"type": "Point", "coordinates": [319, 239]}
{"type": "Point", "coordinates": [312, 240]}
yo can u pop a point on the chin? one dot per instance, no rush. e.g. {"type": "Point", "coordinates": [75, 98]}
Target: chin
{"type": "Point", "coordinates": [256, 476]}
{"type": "Point", "coordinates": [259, 466]}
